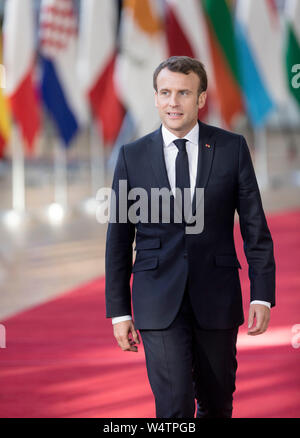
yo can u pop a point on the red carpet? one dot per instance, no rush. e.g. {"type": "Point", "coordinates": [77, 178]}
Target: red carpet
{"type": "Point", "coordinates": [61, 359]}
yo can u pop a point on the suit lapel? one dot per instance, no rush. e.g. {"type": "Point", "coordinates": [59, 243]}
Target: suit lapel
{"type": "Point", "coordinates": [157, 159]}
{"type": "Point", "coordinates": [205, 159]}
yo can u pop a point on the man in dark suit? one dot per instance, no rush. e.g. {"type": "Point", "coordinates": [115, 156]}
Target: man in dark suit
{"type": "Point", "coordinates": [186, 291]}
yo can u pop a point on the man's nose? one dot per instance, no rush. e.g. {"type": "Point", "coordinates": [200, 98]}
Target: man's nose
{"type": "Point", "coordinates": [173, 100]}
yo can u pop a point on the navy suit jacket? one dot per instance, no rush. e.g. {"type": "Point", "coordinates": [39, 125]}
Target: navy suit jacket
{"type": "Point", "coordinates": [167, 258]}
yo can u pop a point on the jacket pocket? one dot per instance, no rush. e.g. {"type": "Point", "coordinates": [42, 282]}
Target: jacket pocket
{"type": "Point", "coordinates": [147, 243]}
{"type": "Point", "coordinates": [229, 261]}
{"type": "Point", "coordinates": [145, 264]}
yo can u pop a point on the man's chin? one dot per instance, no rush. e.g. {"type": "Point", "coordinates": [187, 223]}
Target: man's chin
{"type": "Point", "coordinates": [175, 125]}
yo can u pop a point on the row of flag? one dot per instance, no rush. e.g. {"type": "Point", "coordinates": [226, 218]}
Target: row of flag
{"type": "Point", "coordinates": [99, 65]}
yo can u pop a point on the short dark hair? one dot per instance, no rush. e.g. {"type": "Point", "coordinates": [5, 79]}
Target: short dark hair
{"type": "Point", "coordinates": [183, 64]}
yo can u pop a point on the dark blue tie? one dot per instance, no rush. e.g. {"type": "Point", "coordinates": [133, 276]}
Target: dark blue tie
{"type": "Point", "coordinates": [182, 179]}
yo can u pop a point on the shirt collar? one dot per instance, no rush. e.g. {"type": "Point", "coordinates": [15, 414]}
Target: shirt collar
{"type": "Point", "coordinates": [192, 136]}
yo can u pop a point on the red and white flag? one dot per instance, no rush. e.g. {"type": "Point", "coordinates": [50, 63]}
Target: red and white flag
{"type": "Point", "coordinates": [187, 36]}
{"type": "Point", "coordinates": [19, 52]}
{"type": "Point", "coordinates": [96, 65]}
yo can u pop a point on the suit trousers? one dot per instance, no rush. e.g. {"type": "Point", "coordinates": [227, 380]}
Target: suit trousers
{"type": "Point", "coordinates": [186, 362]}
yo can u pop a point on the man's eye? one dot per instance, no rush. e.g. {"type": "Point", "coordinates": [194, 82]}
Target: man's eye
{"type": "Point", "coordinates": [184, 92]}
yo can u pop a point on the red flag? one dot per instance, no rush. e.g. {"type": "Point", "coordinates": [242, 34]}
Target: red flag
{"type": "Point", "coordinates": [19, 55]}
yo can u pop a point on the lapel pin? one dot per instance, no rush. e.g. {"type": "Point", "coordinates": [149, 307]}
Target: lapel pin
{"type": "Point", "coordinates": [207, 145]}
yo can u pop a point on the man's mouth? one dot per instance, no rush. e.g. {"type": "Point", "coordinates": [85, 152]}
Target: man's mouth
{"type": "Point", "coordinates": [174, 114]}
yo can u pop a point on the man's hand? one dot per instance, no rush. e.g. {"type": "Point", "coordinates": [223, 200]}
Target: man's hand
{"type": "Point", "coordinates": [262, 315]}
{"type": "Point", "coordinates": [126, 335]}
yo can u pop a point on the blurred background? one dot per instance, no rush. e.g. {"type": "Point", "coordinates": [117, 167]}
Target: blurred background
{"type": "Point", "coordinates": [76, 84]}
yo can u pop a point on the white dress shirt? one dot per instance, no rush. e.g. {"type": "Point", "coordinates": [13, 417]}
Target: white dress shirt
{"type": "Point", "coordinates": [171, 151]}
{"type": "Point", "coordinates": [170, 154]}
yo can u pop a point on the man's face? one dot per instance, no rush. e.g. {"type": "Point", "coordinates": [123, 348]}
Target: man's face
{"type": "Point", "coordinates": [177, 100]}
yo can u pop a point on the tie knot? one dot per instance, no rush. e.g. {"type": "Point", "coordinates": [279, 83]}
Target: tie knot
{"type": "Point", "coordinates": [180, 143]}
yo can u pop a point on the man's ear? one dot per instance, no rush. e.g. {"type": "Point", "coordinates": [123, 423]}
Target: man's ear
{"type": "Point", "coordinates": [202, 99]}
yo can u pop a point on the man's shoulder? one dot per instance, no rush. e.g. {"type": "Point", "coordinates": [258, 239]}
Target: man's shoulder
{"type": "Point", "coordinates": [218, 132]}
{"type": "Point", "coordinates": [139, 143]}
